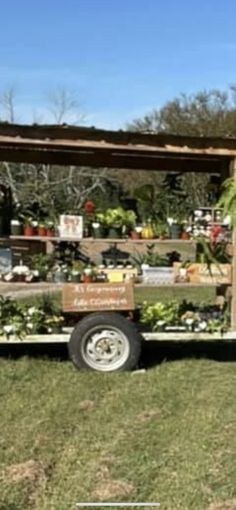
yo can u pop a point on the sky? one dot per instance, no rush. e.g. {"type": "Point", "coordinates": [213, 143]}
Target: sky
{"type": "Point", "coordinates": [120, 58]}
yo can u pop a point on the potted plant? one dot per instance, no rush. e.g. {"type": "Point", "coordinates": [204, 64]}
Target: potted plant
{"type": "Point", "coordinates": [118, 221]}
{"type": "Point", "coordinates": [88, 274]}
{"type": "Point", "coordinates": [129, 223]}
{"type": "Point", "coordinates": [160, 315]}
{"type": "Point", "coordinates": [160, 230]}
{"type": "Point", "coordinates": [50, 228]}
{"type": "Point", "coordinates": [147, 230]}
{"type": "Point", "coordinates": [60, 273]}
{"type": "Point", "coordinates": [42, 229]}
{"type": "Point", "coordinates": [174, 228]}
{"type": "Point", "coordinates": [136, 232]}
{"type": "Point", "coordinates": [28, 227]}
{"type": "Point", "coordinates": [20, 272]}
{"type": "Point", "coordinates": [97, 229]}
{"type": "Point", "coordinates": [40, 264]}
{"type": "Point", "coordinates": [16, 228]}
{"type": "Point", "coordinates": [74, 276]}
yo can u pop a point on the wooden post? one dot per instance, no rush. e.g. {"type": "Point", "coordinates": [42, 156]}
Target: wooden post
{"type": "Point", "coordinates": [233, 300]}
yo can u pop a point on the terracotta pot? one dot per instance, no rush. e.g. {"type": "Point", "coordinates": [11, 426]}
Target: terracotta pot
{"type": "Point", "coordinates": [42, 231]}
{"type": "Point", "coordinates": [185, 236]}
{"type": "Point", "coordinates": [87, 278]}
{"type": "Point", "coordinates": [50, 232]}
{"type": "Point", "coordinates": [135, 235]}
{"type": "Point", "coordinates": [21, 278]}
{"type": "Point", "coordinates": [28, 231]}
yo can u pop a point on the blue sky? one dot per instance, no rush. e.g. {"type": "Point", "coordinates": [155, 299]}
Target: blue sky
{"type": "Point", "coordinates": [122, 58]}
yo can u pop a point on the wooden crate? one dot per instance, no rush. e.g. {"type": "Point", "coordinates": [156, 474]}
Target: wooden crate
{"type": "Point", "coordinates": [200, 273]}
{"type": "Point", "coordinates": [91, 297]}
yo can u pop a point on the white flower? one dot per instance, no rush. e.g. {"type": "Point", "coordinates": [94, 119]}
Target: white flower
{"type": "Point", "coordinates": [30, 325]}
{"type": "Point", "coordinates": [144, 266]}
{"type": "Point", "coordinates": [189, 322]}
{"type": "Point", "coordinates": [227, 220]}
{"type": "Point", "coordinates": [32, 310]}
{"type": "Point", "coordinates": [170, 221]}
{"type": "Point", "coordinates": [160, 323]}
{"type": "Point", "coordinates": [198, 213]}
{"type": "Point", "coordinates": [8, 329]}
{"type": "Point", "coordinates": [202, 325]}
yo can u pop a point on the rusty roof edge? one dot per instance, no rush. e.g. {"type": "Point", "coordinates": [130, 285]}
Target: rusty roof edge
{"type": "Point", "coordinates": [68, 132]}
{"type": "Point", "coordinates": [101, 145]}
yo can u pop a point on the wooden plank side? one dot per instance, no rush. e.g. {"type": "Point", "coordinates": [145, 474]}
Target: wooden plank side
{"type": "Point", "coordinates": [91, 297]}
{"type": "Point", "coordinates": [233, 301]}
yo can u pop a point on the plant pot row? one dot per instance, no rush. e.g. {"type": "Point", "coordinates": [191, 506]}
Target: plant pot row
{"type": "Point", "coordinates": [30, 231]}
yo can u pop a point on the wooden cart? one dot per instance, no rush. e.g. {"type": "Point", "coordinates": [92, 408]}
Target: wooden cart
{"type": "Point", "coordinates": [104, 339]}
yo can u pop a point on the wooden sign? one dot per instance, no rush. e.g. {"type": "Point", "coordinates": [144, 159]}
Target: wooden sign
{"type": "Point", "coordinates": [91, 297]}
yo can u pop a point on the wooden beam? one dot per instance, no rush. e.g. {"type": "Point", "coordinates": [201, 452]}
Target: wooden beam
{"type": "Point", "coordinates": [106, 158]}
{"type": "Point", "coordinates": [233, 300]}
{"type": "Point", "coordinates": [66, 132]}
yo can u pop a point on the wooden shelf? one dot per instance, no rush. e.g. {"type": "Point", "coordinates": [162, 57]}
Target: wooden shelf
{"type": "Point", "coordinates": [102, 240]}
{"type": "Point", "coordinates": [177, 285]}
{"type": "Point", "coordinates": [174, 336]}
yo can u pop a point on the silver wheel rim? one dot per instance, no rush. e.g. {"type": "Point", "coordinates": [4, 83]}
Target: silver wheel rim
{"type": "Point", "coordinates": [105, 348]}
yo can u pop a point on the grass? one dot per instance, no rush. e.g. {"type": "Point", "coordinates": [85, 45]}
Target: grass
{"type": "Point", "coordinates": [165, 435]}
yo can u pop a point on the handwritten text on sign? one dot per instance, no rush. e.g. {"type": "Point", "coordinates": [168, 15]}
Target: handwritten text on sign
{"type": "Point", "coordinates": [96, 296]}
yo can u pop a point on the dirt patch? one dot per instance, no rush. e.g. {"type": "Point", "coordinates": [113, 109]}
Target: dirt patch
{"type": "Point", "coordinates": [86, 405]}
{"type": "Point", "coordinates": [225, 505]}
{"type": "Point", "coordinates": [148, 415]}
{"type": "Point", "coordinates": [109, 489]}
{"type": "Point", "coordinates": [30, 470]}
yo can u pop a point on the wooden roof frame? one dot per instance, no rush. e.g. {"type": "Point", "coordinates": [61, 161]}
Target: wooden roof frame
{"type": "Point", "coordinates": [81, 146]}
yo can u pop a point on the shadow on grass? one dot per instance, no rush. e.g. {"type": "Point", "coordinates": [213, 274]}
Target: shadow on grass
{"type": "Point", "coordinates": [51, 351]}
{"type": "Point", "coordinates": [153, 352]}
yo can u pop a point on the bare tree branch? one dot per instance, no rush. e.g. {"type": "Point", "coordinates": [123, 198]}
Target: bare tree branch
{"type": "Point", "coordinates": [64, 106]}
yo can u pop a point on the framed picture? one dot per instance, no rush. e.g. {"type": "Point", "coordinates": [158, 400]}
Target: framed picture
{"type": "Point", "coordinates": [71, 226]}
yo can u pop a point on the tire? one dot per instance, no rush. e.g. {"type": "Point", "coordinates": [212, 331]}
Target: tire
{"type": "Point", "coordinates": [105, 342]}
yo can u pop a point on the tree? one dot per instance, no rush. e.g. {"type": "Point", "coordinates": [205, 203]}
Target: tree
{"type": "Point", "coordinates": [64, 106]}
{"type": "Point", "coordinates": [50, 189]}
{"type": "Point", "coordinates": [206, 113]}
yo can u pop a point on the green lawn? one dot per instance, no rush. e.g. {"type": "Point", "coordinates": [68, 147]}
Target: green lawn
{"type": "Point", "coordinates": [165, 435]}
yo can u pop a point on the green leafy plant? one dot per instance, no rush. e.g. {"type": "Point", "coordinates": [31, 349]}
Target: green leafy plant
{"type": "Point", "coordinates": [42, 263]}
{"type": "Point", "coordinates": [192, 317]}
{"type": "Point", "coordinates": [21, 320]}
{"type": "Point", "coordinates": [117, 218]}
{"type": "Point", "coordinates": [159, 314]}
{"type": "Point", "coordinates": [227, 200]}
{"type": "Point", "coordinates": [212, 253]}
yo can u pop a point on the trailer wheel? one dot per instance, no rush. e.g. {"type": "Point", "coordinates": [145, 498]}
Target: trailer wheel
{"type": "Point", "coordinates": [106, 342]}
